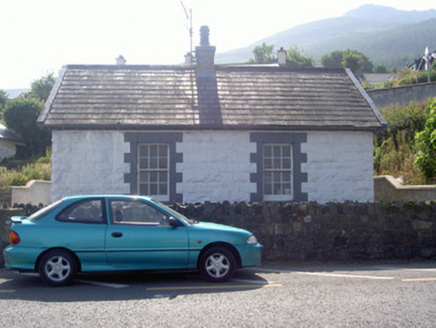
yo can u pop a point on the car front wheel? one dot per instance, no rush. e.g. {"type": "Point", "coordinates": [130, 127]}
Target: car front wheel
{"type": "Point", "coordinates": [58, 268]}
{"type": "Point", "coordinates": [217, 265]}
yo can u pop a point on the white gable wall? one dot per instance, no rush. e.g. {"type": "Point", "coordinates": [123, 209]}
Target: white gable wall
{"type": "Point", "coordinates": [88, 163]}
{"type": "Point", "coordinates": [216, 165]}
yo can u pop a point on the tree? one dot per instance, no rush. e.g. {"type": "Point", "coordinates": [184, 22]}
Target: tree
{"type": "Point", "coordinates": [426, 158]}
{"type": "Point", "coordinates": [21, 115]}
{"type": "Point", "coordinates": [40, 89]}
{"type": "Point", "coordinates": [333, 60]}
{"type": "Point", "coordinates": [263, 54]}
{"type": "Point", "coordinates": [296, 59]}
{"type": "Point", "coordinates": [3, 99]}
{"type": "Point", "coordinates": [380, 69]}
{"type": "Point", "coordinates": [352, 59]}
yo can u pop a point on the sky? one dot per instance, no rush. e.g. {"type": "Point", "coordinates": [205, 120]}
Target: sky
{"type": "Point", "coordinates": [38, 37]}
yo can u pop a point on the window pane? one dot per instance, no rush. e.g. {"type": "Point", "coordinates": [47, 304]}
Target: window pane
{"type": "Point", "coordinates": [89, 211]}
{"type": "Point", "coordinates": [163, 163]}
{"type": "Point", "coordinates": [286, 151]}
{"type": "Point", "coordinates": [153, 163]}
{"type": "Point", "coordinates": [153, 150]}
{"type": "Point", "coordinates": [143, 163]}
{"type": "Point", "coordinates": [143, 149]}
{"type": "Point", "coordinates": [153, 189]}
{"type": "Point", "coordinates": [286, 163]}
{"type": "Point", "coordinates": [277, 151]}
{"type": "Point", "coordinates": [268, 163]}
{"type": "Point", "coordinates": [163, 189]}
{"type": "Point", "coordinates": [134, 212]}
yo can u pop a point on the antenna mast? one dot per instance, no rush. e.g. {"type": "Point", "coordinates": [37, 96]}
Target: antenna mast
{"type": "Point", "coordinates": [189, 18]}
{"type": "Point", "coordinates": [190, 54]}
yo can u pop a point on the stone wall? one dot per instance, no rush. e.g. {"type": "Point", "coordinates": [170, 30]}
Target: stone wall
{"type": "Point", "coordinates": [402, 95]}
{"type": "Point", "coordinates": [5, 197]}
{"type": "Point", "coordinates": [333, 231]}
{"type": "Point", "coordinates": [388, 189]}
{"type": "Point", "coordinates": [5, 223]}
{"type": "Point", "coordinates": [321, 232]}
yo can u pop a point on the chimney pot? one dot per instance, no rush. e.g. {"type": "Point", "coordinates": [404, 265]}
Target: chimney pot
{"type": "Point", "coordinates": [121, 61]}
{"type": "Point", "coordinates": [189, 59]}
{"type": "Point", "coordinates": [204, 36]}
{"type": "Point", "coordinates": [281, 56]}
{"type": "Point", "coordinates": [205, 54]}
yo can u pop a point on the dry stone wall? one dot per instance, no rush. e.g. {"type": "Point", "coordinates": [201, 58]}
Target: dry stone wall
{"type": "Point", "coordinates": [313, 231]}
{"type": "Point", "coordinates": [333, 231]}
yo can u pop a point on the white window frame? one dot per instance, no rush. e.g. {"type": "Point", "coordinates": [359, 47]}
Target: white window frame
{"type": "Point", "coordinates": [157, 170]}
{"type": "Point", "coordinates": [285, 194]}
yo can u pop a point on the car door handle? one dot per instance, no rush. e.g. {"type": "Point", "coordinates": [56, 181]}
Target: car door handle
{"type": "Point", "coordinates": [117, 234]}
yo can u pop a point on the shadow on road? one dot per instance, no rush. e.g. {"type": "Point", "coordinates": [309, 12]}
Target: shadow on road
{"type": "Point", "coordinates": [125, 286]}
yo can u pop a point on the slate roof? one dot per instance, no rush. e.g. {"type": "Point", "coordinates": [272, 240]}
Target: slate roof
{"type": "Point", "coordinates": [172, 97]}
{"type": "Point", "coordinates": [10, 135]}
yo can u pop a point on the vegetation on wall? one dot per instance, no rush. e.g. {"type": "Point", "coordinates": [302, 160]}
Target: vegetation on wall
{"type": "Point", "coordinates": [409, 136]}
{"type": "Point", "coordinates": [20, 175]}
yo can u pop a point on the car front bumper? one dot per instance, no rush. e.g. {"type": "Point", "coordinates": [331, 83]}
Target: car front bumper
{"type": "Point", "coordinates": [251, 255]}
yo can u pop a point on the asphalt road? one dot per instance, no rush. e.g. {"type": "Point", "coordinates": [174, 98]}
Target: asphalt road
{"type": "Point", "coordinates": [275, 295]}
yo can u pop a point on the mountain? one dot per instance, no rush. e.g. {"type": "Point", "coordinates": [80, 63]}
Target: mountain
{"type": "Point", "coordinates": [387, 36]}
{"type": "Point", "coordinates": [14, 93]}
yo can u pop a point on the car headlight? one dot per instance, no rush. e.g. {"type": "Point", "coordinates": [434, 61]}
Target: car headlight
{"type": "Point", "coordinates": [251, 240]}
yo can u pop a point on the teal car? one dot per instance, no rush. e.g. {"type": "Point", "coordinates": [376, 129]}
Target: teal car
{"type": "Point", "coordinates": [86, 234]}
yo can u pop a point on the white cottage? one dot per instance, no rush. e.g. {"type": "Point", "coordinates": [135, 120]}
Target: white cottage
{"type": "Point", "coordinates": [209, 132]}
{"type": "Point", "coordinates": [9, 141]}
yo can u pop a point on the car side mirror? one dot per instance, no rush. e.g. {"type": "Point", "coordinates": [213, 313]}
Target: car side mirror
{"type": "Point", "coordinates": [173, 222]}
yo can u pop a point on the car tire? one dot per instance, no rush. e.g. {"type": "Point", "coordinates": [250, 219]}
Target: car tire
{"type": "Point", "coordinates": [217, 265]}
{"type": "Point", "coordinates": [58, 268]}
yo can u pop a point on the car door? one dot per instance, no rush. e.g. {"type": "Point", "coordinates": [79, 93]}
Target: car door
{"type": "Point", "coordinates": [139, 237]}
{"type": "Point", "coordinates": [81, 227]}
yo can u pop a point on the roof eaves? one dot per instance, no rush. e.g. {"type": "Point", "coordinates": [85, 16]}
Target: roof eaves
{"type": "Point", "coordinates": [216, 127]}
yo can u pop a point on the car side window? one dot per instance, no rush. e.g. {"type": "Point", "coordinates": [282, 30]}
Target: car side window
{"type": "Point", "coordinates": [86, 211]}
{"type": "Point", "coordinates": [136, 212]}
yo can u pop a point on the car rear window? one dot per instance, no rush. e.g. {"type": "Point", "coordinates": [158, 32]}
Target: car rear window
{"type": "Point", "coordinates": [84, 211]}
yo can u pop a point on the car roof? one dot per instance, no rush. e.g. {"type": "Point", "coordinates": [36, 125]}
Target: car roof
{"type": "Point", "coordinates": [80, 197]}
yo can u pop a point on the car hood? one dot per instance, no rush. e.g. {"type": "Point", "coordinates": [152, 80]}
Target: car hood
{"type": "Point", "coordinates": [219, 227]}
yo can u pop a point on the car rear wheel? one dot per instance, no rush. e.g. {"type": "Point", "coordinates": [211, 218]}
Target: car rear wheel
{"type": "Point", "coordinates": [58, 268]}
{"type": "Point", "coordinates": [217, 265]}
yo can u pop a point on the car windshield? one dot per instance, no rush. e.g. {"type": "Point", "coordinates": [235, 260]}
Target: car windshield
{"type": "Point", "coordinates": [174, 213]}
{"type": "Point", "coordinates": [44, 211]}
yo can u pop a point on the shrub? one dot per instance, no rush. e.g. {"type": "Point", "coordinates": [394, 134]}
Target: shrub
{"type": "Point", "coordinates": [21, 175]}
{"type": "Point", "coordinates": [396, 148]}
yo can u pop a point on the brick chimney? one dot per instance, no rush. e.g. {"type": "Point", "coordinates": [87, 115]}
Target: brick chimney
{"type": "Point", "coordinates": [209, 109]}
{"type": "Point", "coordinates": [281, 56]}
{"type": "Point", "coordinates": [205, 54]}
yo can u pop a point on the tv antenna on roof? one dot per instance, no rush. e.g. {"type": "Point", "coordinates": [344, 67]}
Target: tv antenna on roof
{"type": "Point", "coordinates": [189, 18]}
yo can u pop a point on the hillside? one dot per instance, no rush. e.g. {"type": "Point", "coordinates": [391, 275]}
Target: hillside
{"type": "Point", "coordinates": [386, 35]}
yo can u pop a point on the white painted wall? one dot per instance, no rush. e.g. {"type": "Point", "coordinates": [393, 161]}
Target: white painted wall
{"type": "Point", "coordinates": [216, 166]}
{"type": "Point", "coordinates": [88, 162]}
{"type": "Point", "coordinates": [34, 192]}
{"type": "Point", "coordinates": [339, 166]}
{"type": "Point", "coordinates": [7, 149]}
